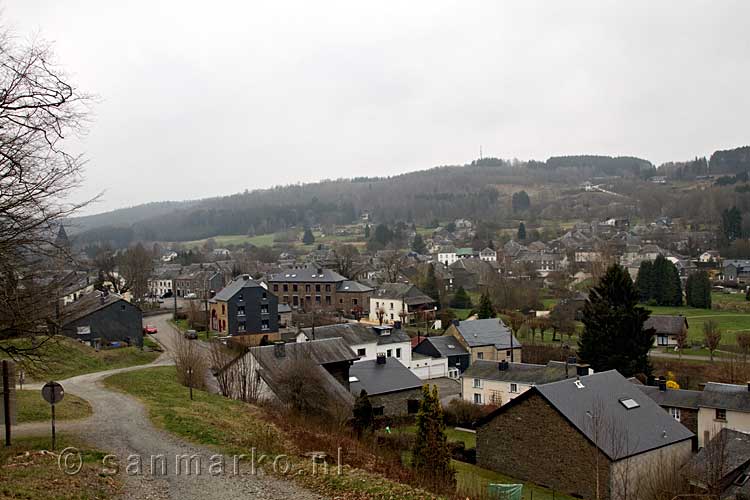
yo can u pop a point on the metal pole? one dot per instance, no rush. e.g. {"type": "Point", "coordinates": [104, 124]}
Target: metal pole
{"type": "Point", "coordinates": [6, 401]}
{"type": "Point", "coordinates": [53, 426]}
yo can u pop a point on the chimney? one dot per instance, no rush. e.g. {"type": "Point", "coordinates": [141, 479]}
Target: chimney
{"type": "Point", "coordinates": [650, 380]}
{"type": "Point", "coordinates": [582, 370]}
{"type": "Point", "coordinates": [397, 325]}
{"type": "Point", "coordinates": [662, 384]}
{"type": "Point", "coordinates": [320, 271]}
{"type": "Point", "coordinates": [245, 277]}
{"type": "Point", "coordinates": [456, 322]}
{"type": "Point", "coordinates": [279, 350]}
{"type": "Point", "coordinates": [380, 359]}
{"type": "Point", "coordinates": [502, 365]}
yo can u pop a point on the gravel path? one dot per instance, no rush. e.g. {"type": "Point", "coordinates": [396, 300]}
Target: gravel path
{"type": "Point", "coordinates": [120, 426]}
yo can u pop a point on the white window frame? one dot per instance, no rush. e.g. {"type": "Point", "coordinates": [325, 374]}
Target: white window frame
{"type": "Point", "coordinates": [513, 387]}
{"type": "Point", "coordinates": [477, 383]}
{"type": "Point", "coordinates": [675, 412]}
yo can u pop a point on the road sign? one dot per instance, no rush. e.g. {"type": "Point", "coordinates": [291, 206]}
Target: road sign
{"type": "Point", "coordinates": [53, 393]}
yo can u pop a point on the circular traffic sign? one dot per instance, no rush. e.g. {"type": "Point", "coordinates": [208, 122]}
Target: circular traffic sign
{"type": "Point", "coordinates": [52, 392]}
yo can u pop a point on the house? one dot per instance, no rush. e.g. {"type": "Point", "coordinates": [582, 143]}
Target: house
{"type": "Point", "coordinates": [496, 383]}
{"type": "Point", "coordinates": [314, 288]}
{"type": "Point", "coordinates": [392, 388]}
{"type": "Point", "coordinates": [591, 437]}
{"type": "Point", "coordinates": [542, 263]}
{"type": "Point", "coordinates": [446, 347]}
{"type": "Point", "coordinates": [285, 315]}
{"type": "Point", "coordinates": [401, 302]}
{"type": "Point", "coordinates": [487, 339]}
{"type": "Point", "coordinates": [245, 308]}
{"type": "Point", "coordinates": [667, 328]}
{"type": "Point", "coordinates": [736, 270]}
{"type": "Point", "coordinates": [259, 372]}
{"type": "Point", "coordinates": [681, 404]}
{"type": "Point", "coordinates": [447, 255]}
{"type": "Point", "coordinates": [101, 318]}
{"type": "Point", "coordinates": [75, 285]}
{"type": "Point", "coordinates": [709, 256]}
{"type": "Point", "coordinates": [353, 298]}
{"type": "Point", "coordinates": [488, 255]}
{"type": "Point", "coordinates": [366, 341]}
{"type": "Point", "coordinates": [161, 284]}
{"type": "Point", "coordinates": [723, 467]}
{"type": "Point", "coordinates": [203, 282]}
{"type": "Point", "coordinates": [426, 367]}
{"type": "Point", "coordinates": [723, 406]}
{"type": "Point", "coordinates": [472, 274]}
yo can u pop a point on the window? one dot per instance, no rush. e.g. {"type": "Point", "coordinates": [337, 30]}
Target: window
{"type": "Point", "coordinates": [507, 353]}
{"type": "Point", "coordinates": [513, 387]}
{"type": "Point", "coordinates": [317, 288]}
{"type": "Point", "coordinates": [391, 305]}
{"type": "Point", "coordinates": [317, 299]}
{"type": "Point", "coordinates": [675, 412]}
{"type": "Point", "coordinates": [263, 308]}
{"type": "Point", "coordinates": [389, 353]}
{"type": "Point", "coordinates": [721, 414]}
{"type": "Point", "coordinates": [742, 479]}
{"type": "Point", "coordinates": [477, 383]}
{"type": "Point", "coordinates": [286, 288]}
{"type": "Point", "coordinates": [354, 302]}
{"type": "Point", "coordinates": [412, 406]}
{"type": "Point", "coordinates": [264, 324]}
{"type": "Point", "coordinates": [391, 315]}
{"type": "Point", "coordinates": [377, 411]}
{"type": "Point", "coordinates": [295, 300]}
{"type": "Point", "coordinates": [240, 310]}
{"type": "Point", "coordinates": [276, 288]}
{"type": "Point", "coordinates": [241, 326]}
{"type": "Point", "coordinates": [265, 295]}
{"type": "Point", "coordinates": [307, 288]}
{"type": "Point", "coordinates": [295, 288]}
{"type": "Point", "coordinates": [328, 288]}
{"type": "Point", "coordinates": [477, 398]}
{"type": "Point", "coordinates": [362, 352]}
{"type": "Point", "coordinates": [286, 299]}
{"type": "Point", "coordinates": [398, 352]}
{"type": "Point", "coordinates": [377, 304]}
{"type": "Point", "coordinates": [223, 309]}
{"type": "Point", "coordinates": [480, 355]}
{"type": "Point", "coordinates": [629, 403]}
{"type": "Point", "coordinates": [240, 298]}
{"type": "Point", "coordinates": [328, 300]}
{"type": "Point", "coordinates": [307, 299]}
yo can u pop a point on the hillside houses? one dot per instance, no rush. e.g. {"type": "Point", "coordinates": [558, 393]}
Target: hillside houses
{"type": "Point", "coordinates": [400, 302]}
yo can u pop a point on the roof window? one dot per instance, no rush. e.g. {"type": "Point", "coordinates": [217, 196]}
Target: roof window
{"type": "Point", "coordinates": [629, 403]}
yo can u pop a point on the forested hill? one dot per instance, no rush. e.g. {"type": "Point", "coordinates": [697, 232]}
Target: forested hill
{"type": "Point", "coordinates": [481, 190]}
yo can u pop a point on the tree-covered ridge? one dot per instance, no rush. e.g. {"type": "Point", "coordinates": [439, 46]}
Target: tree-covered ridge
{"type": "Point", "coordinates": [730, 161]}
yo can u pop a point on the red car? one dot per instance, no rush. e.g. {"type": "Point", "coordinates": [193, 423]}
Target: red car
{"type": "Point", "coordinates": [150, 329]}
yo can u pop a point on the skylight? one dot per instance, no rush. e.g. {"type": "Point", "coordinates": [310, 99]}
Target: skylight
{"type": "Point", "coordinates": [579, 384]}
{"type": "Point", "coordinates": [629, 403]}
{"type": "Point", "coordinates": [353, 379]}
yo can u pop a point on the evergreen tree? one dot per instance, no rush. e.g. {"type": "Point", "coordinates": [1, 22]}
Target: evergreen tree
{"type": "Point", "coordinates": [461, 299]}
{"type": "Point", "coordinates": [429, 284]}
{"type": "Point", "coordinates": [644, 282]}
{"type": "Point", "coordinates": [308, 238]}
{"type": "Point", "coordinates": [431, 456]}
{"type": "Point", "coordinates": [613, 336]}
{"type": "Point", "coordinates": [731, 224]}
{"type": "Point", "coordinates": [521, 232]}
{"type": "Point", "coordinates": [698, 290]}
{"type": "Point", "coordinates": [520, 201]}
{"type": "Point", "coordinates": [659, 281]}
{"type": "Point", "coordinates": [486, 309]}
{"type": "Point", "coordinates": [363, 414]}
{"type": "Point", "coordinates": [418, 244]}
{"type": "Point", "coordinates": [367, 231]}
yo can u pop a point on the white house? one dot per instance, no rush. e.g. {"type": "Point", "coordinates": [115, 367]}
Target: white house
{"type": "Point", "coordinates": [447, 256]}
{"type": "Point", "coordinates": [488, 255]}
{"type": "Point", "coordinates": [401, 302]}
{"type": "Point", "coordinates": [709, 256]}
{"type": "Point", "coordinates": [366, 341]}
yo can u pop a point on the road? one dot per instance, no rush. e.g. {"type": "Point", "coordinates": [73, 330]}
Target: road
{"type": "Point", "coordinates": [120, 426]}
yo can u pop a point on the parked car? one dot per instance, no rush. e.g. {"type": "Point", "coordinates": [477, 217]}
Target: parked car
{"type": "Point", "coordinates": [191, 295]}
{"type": "Point", "coordinates": [150, 329]}
{"type": "Point", "coordinates": [191, 334]}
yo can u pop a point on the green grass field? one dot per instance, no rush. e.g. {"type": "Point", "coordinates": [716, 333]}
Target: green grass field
{"type": "Point", "coordinates": [471, 478]}
{"type": "Point", "coordinates": [31, 407]}
{"type": "Point", "coordinates": [468, 438]}
{"type": "Point", "coordinates": [730, 323]}
{"type": "Point", "coordinates": [61, 358]}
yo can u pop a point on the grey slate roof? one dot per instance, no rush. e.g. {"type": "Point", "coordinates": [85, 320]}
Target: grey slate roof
{"type": "Point", "coordinates": [398, 291]}
{"type": "Point", "coordinates": [726, 396]}
{"type": "Point", "coordinates": [446, 345]}
{"type": "Point", "coordinates": [734, 447]}
{"type": "Point", "coordinates": [483, 332]}
{"type": "Point", "coordinates": [666, 324]}
{"type": "Point", "coordinates": [88, 304]}
{"type": "Point", "coordinates": [352, 287]}
{"type": "Point", "coordinates": [357, 333]}
{"type": "Point", "coordinates": [382, 379]}
{"type": "Point", "coordinates": [234, 286]}
{"type": "Point", "coordinates": [640, 429]}
{"type": "Point", "coordinates": [519, 372]}
{"type": "Point", "coordinates": [673, 398]}
{"type": "Point", "coordinates": [306, 275]}
{"type": "Point", "coordinates": [284, 308]}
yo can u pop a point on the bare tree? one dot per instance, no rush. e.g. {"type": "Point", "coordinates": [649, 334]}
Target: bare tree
{"type": "Point", "coordinates": [346, 259]}
{"type": "Point", "coordinates": [38, 109]}
{"type": "Point", "coordinates": [220, 358]}
{"type": "Point", "coordinates": [743, 341]}
{"type": "Point", "coordinates": [393, 262]}
{"type": "Point", "coordinates": [712, 336]}
{"type": "Point", "coordinates": [136, 266]}
{"type": "Point", "coordinates": [190, 363]}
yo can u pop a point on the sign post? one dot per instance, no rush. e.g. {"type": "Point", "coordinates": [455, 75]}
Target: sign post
{"type": "Point", "coordinates": [53, 393]}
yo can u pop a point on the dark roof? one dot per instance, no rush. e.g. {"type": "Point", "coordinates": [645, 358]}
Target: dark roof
{"type": "Point", "coordinates": [88, 304]}
{"type": "Point", "coordinates": [666, 324]}
{"type": "Point", "coordinates": [640, 429]}
{"type": "Point", "coordinates": [519, 372]}
{"type": "Point", "coordinates": [398, 291]}
{"type": "Point", "coordinates": [350, 286]}
{"type": "Point", "coordinates": [734, 447]}
{"type": "Point", "coordinates": [382, 379]}
{"type": "Point", "coordinates": [358, 333]}
{"type": "Point", "coordinates": [482, 332]}
{"type": "Point", "coordinates": [673, 398]}
{"type": "Point", "coordinates": [234, 286]}
{"type": "Point", "coordinates": [447, 345]}
{"type": "Point", "coordinates": [306, 275]}
{"type": "Point", "coordinates": [726, 396]}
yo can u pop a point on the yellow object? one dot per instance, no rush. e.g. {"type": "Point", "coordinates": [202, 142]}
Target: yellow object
{"type": "Point", "coordinates": [671, 384]}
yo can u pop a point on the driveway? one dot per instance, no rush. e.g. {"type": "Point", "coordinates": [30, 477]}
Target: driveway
{"type": "Point", "coordinates": [120, 426]}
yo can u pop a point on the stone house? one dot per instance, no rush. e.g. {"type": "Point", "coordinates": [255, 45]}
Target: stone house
{"type": "Point", "coordinates": [100, 318]}
{"type": "Point", "coordinates": [487, 339]}
{"type": "Point", "coordinates": [596, 436]}
{"type": "Point", "coordinates": [245, 308]}
{"type": "Point", "coordinates": [393, 389]}
{"type": "Point", "coordinates": [203, 282]}
{"type": "Point", "coordinates": [667, 328]}
{"type": "Point", "coordinates": [736, 270]}
{"type": "Point", "coordinates": [497, 383]}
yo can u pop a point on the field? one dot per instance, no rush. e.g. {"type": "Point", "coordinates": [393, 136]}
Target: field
{"type": "Point", "coordinates": [468, 438]}
{"type": "Point", "coordinates": [356, 238]}
{"type": "Point", "coordinates": [473, 478]}
{"type": "Point", "coordinates": [60, 358]}
{"type": "Point", "coordinates": [31, 407]}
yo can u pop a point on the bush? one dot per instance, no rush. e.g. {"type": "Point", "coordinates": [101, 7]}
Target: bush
{"type": "Point", "coordinates": [462, 413]}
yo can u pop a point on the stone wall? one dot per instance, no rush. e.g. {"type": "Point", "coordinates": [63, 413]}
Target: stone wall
{"type": "Point", "coordinates": [395, 403]}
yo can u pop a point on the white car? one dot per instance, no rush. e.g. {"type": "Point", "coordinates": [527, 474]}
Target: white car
{"type": "Point", "coordinates": [191, 296]}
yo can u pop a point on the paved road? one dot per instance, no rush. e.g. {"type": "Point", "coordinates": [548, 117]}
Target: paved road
{"type": "Point", "coordinates": [120, 426]}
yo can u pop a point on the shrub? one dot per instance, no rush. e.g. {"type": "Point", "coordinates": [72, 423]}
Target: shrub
{"type": "Point", "coordinates": [462, 413]}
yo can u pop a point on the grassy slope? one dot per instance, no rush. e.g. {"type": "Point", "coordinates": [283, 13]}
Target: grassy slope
{"type": "Point", "coordinates": [234, 427]}
{"type": "Point", "coordinates": [36, 475]}
{"type": "Point", "coordinates": [472, 478]}
{"type": "Point", "coordinates": [62, 358]}
{"type": "Point", "coordinates": [31, 407]}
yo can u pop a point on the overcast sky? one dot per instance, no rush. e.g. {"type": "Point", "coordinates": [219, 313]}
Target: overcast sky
{"type": "Point", "coordinates": [199, 99]}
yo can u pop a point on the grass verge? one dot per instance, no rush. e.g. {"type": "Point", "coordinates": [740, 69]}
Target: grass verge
{"type": "Point", "coordinates": [31, 407]}
{"type": "Point", "coordinates": [27, 470]}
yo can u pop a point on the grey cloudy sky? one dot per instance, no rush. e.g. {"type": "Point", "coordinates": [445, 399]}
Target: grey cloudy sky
{"type": "Point", "coordinates": [206, 98]}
